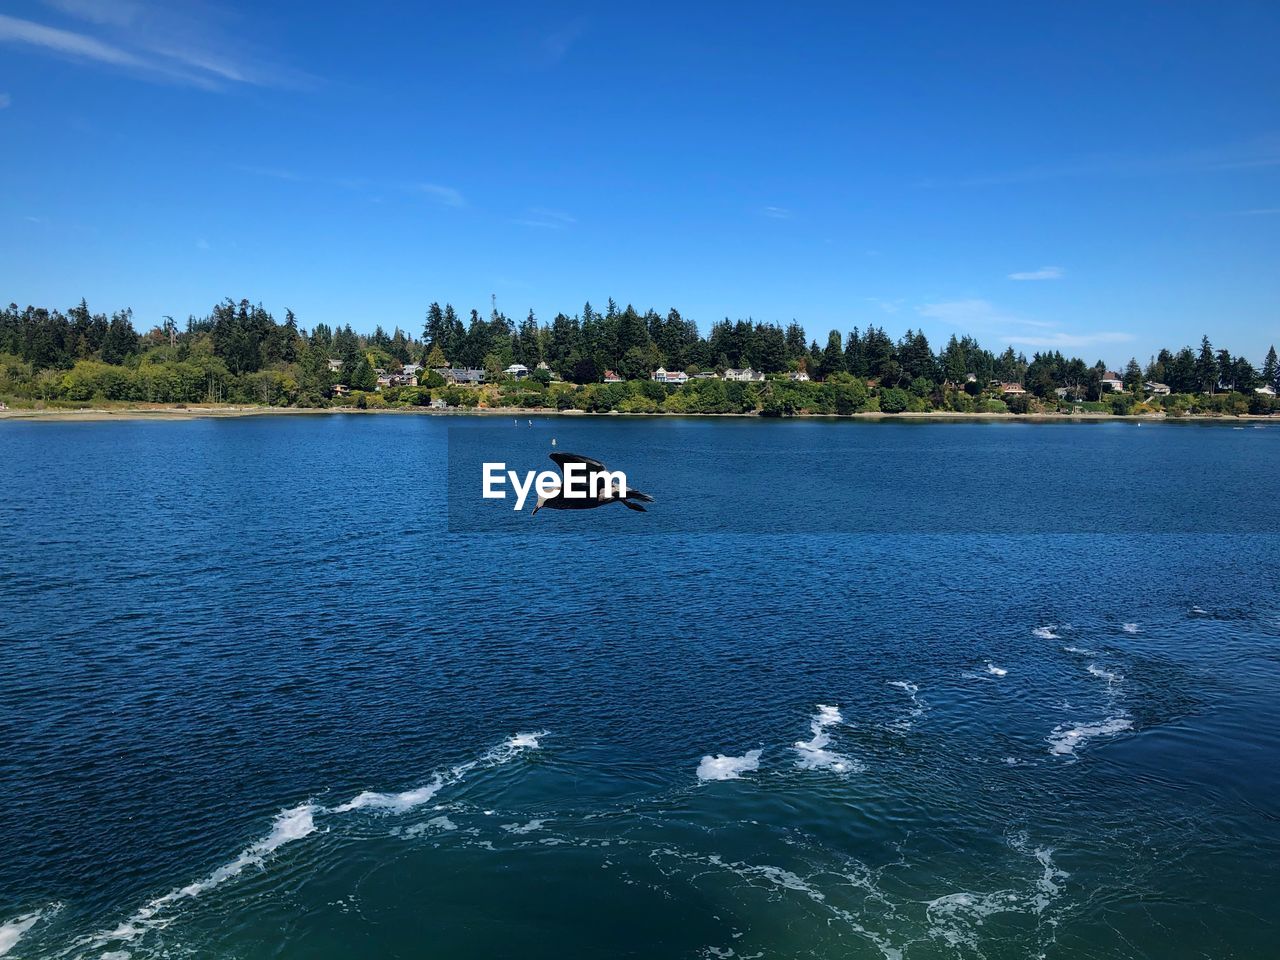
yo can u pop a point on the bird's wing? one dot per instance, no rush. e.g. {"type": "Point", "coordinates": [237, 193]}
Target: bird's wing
{"type": "Point", "coordinates": [593, 466]}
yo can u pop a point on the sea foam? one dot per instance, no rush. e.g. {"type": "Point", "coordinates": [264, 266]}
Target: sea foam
{"type": "Point", "coordinates": [12, 930]}
{"type": "Point", "coordinates": [814, 754]}
{"type": "Point", "coordinates": [1064, 741]}
{"type": "Point", "coordinates": [1130, 628]}
{"type": "Point", "coordinates": [996, 671]}
{"type": "Point", "coordinates": [1047, 633]}
{"type": "Point", "coordinates": [391, 802]}
{"type": "Point", "coordinates": [721, 767]}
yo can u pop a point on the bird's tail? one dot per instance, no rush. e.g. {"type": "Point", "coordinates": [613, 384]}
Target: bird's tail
{"type": "Point", "coordinates": [633, 506]}
{"type": "Point", "coordinates": [637, 495]}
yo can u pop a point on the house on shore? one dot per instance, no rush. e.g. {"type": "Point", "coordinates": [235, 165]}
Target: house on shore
{"type": "Point", "coordinates": [677, 377]}
{"type": "Point", "coordinates": [462, 376]}
{"type": "Point", "coordinates": [1266, 391]}
{"type": "Point", "coordinates": [1012, 389]}
{"type": "Point", "coordinates": [798, 376]}
{"type": "Point", "coordinates": [1112, 381]}
{"type": "Point", "coordinates": [611, 377]}
{"type": "Point", "coordinates": [335, 366]}
{"type": "Point", "coordinates": [746, 375]}
{"type": "Point", "coordinates": [1157, 389]}
{"type": "Point", "coordinates": [517, 370]}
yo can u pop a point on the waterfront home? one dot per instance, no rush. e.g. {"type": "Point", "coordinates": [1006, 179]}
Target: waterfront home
{"type": "Point", "coordinates": [1266, 391]}
{"type": "Point", "coordinates": [1112, 381]}
{"type": "Point", "coordinates": [798, 376]}
{"type": "Point", "coordinates": [676, 377]}
{"type": "Point", "coordinates": [335, 366]}
{"type": "Point", "coordinates": [385, 380]}
{"type": "Point", "coordinates": [611, 377]}
{"type": "Point", "coordinates": [744, 376]}
{"type": "Point", "coordinates": [464, 376]}
{"type": "Point", "coordinates": [411, 369]}
{"type": "Point", "coordinates": [341, 389]}
{"type": "Point", "coordinates": [706, 375]}
{"type": "Point", "coordinates": [1012, 389]}
{"type": "Point", "coordinates": [438, 404]}
{"type": "Point", "coordinates": [1157, 389]}
{"type": "Point", "coordinates": [517, 370]}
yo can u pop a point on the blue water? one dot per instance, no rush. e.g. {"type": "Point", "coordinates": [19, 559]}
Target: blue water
{"type": "Point", "coordinates": [285, 687]}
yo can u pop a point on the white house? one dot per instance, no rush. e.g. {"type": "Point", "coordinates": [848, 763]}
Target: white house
{"type": "Point", "coordinates": [746, 376]}
{"type": "Point", "coordinates": [335, 366]}
{"type": "Point", "coordinates": [799, 376]}
{"type": "Point", "coordinates": [517, 370]}
{"type": "Point", "coordinates": [1112, 381]}
{"type": "Point", "coordinates": [1157, 389]}
{"type": "Point", "coordinates": [677, 377]}
{"type": "Point", "coordinates": [1267, 391]}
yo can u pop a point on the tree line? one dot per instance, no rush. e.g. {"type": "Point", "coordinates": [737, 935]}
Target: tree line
{"type": "Point", "coordinates": [240, 352]}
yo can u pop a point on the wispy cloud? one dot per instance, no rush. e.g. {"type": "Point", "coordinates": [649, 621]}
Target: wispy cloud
{"type": "Point", "coordinates": [1044, 273]}
{"type": "Point", "coordinates": [888, 306]}
{"type": "Point", "coordinates": [1063, 339]}
{"type": "Point", "coordinates": [776, 213]}
{"type": "Point", "coordinates": [5, 100]}
{"type": "Point", "coordinates": [1260, 152]}
{"type": "Point", "coordinates": [435, 192]}
{"type": "Point", "coordinates": [545, 218]}
{"type": "Point", "coordinates": [970, 316]}
{"type": "Point", "coordinates": [169, 43]}
{"type": "Point", "coordinates": [445, 196]}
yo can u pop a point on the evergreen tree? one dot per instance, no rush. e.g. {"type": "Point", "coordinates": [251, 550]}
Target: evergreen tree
{"type": "Point", "coordinates": [1271, 370]}
{"type": "Point", "coordinates": [1133, 376]}
{"type": "Point", "coordinates": [363, 377]}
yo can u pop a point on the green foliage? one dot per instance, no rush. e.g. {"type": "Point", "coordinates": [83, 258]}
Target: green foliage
{"type": "Point", "coordinates": [894, 400]}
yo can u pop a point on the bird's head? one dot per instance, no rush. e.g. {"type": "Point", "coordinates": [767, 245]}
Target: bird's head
{"type": "Point", "coordinates": [543, 498]}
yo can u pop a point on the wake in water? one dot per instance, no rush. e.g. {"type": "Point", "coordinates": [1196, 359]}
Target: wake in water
{"type": "Point", "coordinates": [814, 754]}
{"type": "Point", "coordinates": [721, 767]}
{"type": "Point", "coordinates": [12, 931]}
{"type": "Point", "coordinates": [1065, 739]}
{"type": "Point", "coordinates": [918, 707]}
{"type": "Point", "coordinates": [289, 825]}
{"type": "Point", "coordinates": [1047, 633]}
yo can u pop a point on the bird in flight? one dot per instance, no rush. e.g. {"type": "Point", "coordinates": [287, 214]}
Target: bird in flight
{"type": "Point", "coordinates": [598, 490]}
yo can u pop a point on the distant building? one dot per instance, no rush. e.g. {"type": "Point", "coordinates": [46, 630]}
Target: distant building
{"type": "Point", "coordinates": [670, 376]}
{"type": "Point", "coordinates": [745, 376]}
{"type": "Point", "coordinates": [1267, 391]}
{"type": "Point", "coordinates": [411, 369]}
{"type": "Point", "coordinates": [438, 404]}
{"type": "Point", "coordinates": [798, 376]}
{"type": "Point", "coordinates": [611, 377]}
{"type": "Point", "coordinates": [341, 389]}
{"type": "Point", "coordinates": [335, 366]}
{"type": "Point", "coordinates": [517, 370]}
{"type": "Point", "coordinates": [1157, 389]}
{"type": "Point", "coordinates": [465, 376]}
{"type": "Point", "coordinates": [1012, 389]}
{"type": "Point", "coordinates": [706, 375]}
{"type": "Point", "coordinates": [385, 380]}
{"type": "Point", "coordinates": [1112, 381]}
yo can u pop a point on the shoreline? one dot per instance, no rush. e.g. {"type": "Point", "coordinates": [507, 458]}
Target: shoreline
{"type": "Point", "coordinates": [175, 413]}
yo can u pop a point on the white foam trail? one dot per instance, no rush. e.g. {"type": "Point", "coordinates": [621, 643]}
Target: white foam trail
{"type": "Point", "coordinates": [814, 754]}
{"type": "Point", "coordinates": [391, 802]}
{"type": "Point", "coordinates": [12, 931]}
{"type": "Point", "coordinates": [728, 768]}
{"type": "Point", "coordinates": [917, 706]}
{"type": "Point", "coordinates": [1080, 650]}
{"type": "Point", "coordinates": [1106, 675]}
{"type": "Point", "coordinates": [298, 822]}
{"type": "Point", "coordinates": [1130, 628]}
{"type": "Point", "coordinates": [523, 828]}
{"type": "Point", "coordinates": [997, 671]}
{"type": "Point", "coordinates": [1198, 612]}
{"type": "Point", "coordinates": [1064, 741]}
{"type": "Point", "coordinates": [289, 825]}
{"type": "Point", "coordinates": [1047, 633]}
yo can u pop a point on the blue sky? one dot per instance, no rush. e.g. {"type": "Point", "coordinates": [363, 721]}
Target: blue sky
{"type": "Point", "coordinates": [1099, 177]}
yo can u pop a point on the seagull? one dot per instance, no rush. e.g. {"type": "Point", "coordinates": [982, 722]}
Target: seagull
{"type": "Point", "coordinates": [558, 501]}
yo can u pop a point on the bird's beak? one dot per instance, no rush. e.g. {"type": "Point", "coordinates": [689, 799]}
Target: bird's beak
{"type": "Point", "coordinates": [536, 508]}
